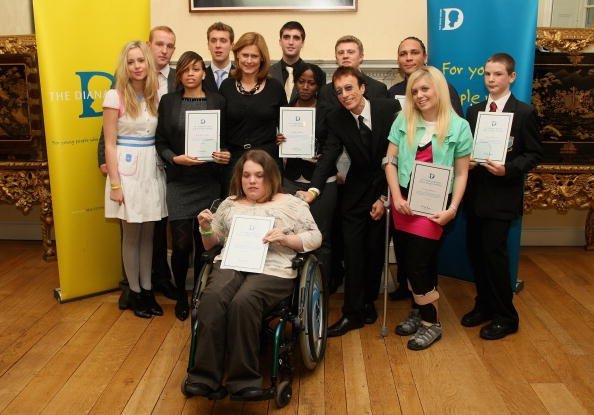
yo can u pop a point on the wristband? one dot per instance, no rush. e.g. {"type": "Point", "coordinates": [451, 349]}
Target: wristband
{"type": "Point", "coordinates": [116, 187]}
{"type": "Point", "coordinates": [389, 160]}
{"type": "Point", "coordinates": [315, 192]}
{"type": "Point", "coordinates": [207, 233]}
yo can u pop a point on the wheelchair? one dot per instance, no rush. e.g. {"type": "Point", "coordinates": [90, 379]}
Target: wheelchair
{"type": "Point", "coordinates": [300, 319]}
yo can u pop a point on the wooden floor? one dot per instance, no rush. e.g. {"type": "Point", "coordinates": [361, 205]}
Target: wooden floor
{"type": "Point", "coordinates": [89, 357]}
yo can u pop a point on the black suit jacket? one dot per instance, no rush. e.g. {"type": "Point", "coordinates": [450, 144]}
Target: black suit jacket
{"type": "Point", "coordinates": [170, 138]}
{"type": "Point", "coordinates": [500, 197]}
{"type": "Point", "coordinates": [209, 83]}
{"type": "Point", "coordinates": [171, 86]}
{"type": "Point", "coordinates": [365, 181]}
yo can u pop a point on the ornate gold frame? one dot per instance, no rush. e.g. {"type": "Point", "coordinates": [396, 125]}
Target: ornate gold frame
{"type": "Point", "coordinates": [24, 175]}
{"type": "Point", "coordinates": [571, 41]}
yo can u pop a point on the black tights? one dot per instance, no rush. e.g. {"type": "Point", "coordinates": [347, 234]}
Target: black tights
{"type": "Point", "coordinates": [185, 236]}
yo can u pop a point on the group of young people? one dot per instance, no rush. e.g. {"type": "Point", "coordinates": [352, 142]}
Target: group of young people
{"type": "Point", "coordinates": [150, 178]}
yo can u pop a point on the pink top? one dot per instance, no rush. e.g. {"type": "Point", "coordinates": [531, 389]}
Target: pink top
{"type": "Point", "coordinates": [415, 224]}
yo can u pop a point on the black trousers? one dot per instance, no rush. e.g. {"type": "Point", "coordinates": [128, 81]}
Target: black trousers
{"type": "Point", "coordinates": [417, 257]}
{"type": "Point", "coordinates": [230, 315]}
{"type": "Point", "coordinates": [364, 259]}
{"type": "Point", "coordinates": [322, 211]}
{"type": "Point", "coordinates": [487, 246]}
{"type": "Point", "coordinates": [185, 238]}
{"type": "Point", "coordinates": [160, 270]}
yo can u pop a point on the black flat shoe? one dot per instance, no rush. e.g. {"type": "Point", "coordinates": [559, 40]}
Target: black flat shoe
{"type": "Point", "coordinates": [369, 313]}
{"type": "Point", "coordinates": [343, 326]}
{"type": "Point", "coordinates": [251, 393]}
{"type": "Point", "coordinates": [497, 330]}
{"type": "Point", "coordinates": [137, 304]}
{"type": "Point", "coordinates": [200, 389]}
{"type": "Point", "coordinates": [150, 302]}
{"type": "Point", "coordinates": [182, 310]}
{"type": "Point", "coordinates": [474, 318]}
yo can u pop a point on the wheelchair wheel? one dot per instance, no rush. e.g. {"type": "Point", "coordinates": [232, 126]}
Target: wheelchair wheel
{"type": "Point", "coordinates": [313, 311]}
{"type": "Point", "coordinates": [283, 394]}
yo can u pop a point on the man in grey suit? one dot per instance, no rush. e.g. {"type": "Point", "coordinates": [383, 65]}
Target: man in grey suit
{"type": "Point", "coordinates": [162, 45]}
{"type": "Point", "coordinates": [220, 39]}
{"type": "Point", "coordinates": [292, 37]}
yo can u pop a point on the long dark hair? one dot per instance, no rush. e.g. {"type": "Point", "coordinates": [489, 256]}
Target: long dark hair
{"type": "Point", "coordinates": [272, 176]}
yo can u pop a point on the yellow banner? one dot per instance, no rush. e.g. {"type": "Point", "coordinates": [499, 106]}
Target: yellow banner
{"type": "Point", "coordinates": [78, 44]}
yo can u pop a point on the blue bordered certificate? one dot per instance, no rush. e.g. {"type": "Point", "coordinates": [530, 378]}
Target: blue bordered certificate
{"type": "Point", "coordinates": [203, 133]}
{"type": "Point", "coordinates": [298, 125]}
{"type": "Point", "coordinates": [244, 249]}
{"type": "Point", "coordinates": [429, 188]}
{"type": "Point", "coordinates": [491, 136]}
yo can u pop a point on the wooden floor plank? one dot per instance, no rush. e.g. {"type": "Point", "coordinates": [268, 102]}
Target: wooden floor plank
{"type": "Point", "coordinates": [88, 356]}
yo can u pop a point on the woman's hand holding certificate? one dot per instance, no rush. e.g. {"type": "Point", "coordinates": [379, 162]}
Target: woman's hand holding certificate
{"type": "Point", "coordinates": [203, 133]}
{"type": "Point", "coordinates": [429, 188]}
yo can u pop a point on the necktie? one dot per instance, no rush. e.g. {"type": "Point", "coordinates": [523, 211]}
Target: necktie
{"type": "Point", "coordinates": [365, 133]}
{"type": "Point", "coordinates": [219, 78]}
{"type": "Point", "coordinates": [492, 107]}
{"type": "Point", "coordinates": [289, 83]}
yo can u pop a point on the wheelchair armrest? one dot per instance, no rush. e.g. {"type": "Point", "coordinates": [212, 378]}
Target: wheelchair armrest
{"type": "Point", "coordinates": [208, 257]}
{"type": "Point", "coordinates": [298, 260]}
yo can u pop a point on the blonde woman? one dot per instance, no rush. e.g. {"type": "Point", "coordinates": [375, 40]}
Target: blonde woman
{"type": "Point", "coordinates": [135, 185]}
{"type": "Point", "coordinates": [427, 130]}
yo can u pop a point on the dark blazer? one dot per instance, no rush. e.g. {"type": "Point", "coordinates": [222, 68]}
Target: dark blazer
{"type": "Point", "coordinates": [170, 138]}
{"type": "Point", "coordinates": [171, 86]}
{"type": "Point", "coordinates": [209, 83]}
{"type": "Point", "coordinates": [400, 89]}
{"type": "Point", "coordinates": [365, 181]}
{"type": "Point", "coordinates": [497, 197]}
{"type": "Point", "coordinates": [329, 102]}
{"type": "Point", "coordinates": [276, 72]}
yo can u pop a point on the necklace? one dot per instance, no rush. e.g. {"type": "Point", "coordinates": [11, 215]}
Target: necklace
{"type": "Point", "coordinates": [242, 90]}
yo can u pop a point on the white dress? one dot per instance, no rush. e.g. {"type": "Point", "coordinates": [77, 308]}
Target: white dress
{"type": "Point", "coordinates": [141, 173]}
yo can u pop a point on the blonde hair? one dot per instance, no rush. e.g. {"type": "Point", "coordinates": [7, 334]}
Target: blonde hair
{"type": "Point", "coordinates": [444, 106]}
{"type": "Point", "coordinates": [128, 96]}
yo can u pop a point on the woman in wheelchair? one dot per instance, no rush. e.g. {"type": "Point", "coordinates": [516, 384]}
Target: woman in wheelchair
{"type": "Point", "coordinates": [233, 303]}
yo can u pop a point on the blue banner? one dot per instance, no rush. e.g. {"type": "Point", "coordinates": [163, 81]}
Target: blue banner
{"type": "Point", "coordinates": [462, 34]}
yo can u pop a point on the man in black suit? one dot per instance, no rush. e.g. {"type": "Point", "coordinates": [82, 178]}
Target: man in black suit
{"type": "Point", "coordinates": [292, 37]}
{"type": "Point", "coordinates": [360, 127]}
{"type": "Point", "coordinates": [494, 197]}
{"type": "Point", "coordinates": [162, 45]}
{"type": "Point", "coordinates": [220, 39]}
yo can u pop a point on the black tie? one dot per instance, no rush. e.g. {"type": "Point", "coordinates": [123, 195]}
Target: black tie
{"type": "Point", "coordinates": [365, 133]}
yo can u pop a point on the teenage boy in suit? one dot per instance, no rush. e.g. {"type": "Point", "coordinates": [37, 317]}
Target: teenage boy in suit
{"type": "Point", "coordinates": [493, 199]}
{"type": "Point", "coordinates": [220, 39]}
{"type": "Point", "coordinates": [360, 126]}
{"type": "Point", "coordinates": [292, 38]}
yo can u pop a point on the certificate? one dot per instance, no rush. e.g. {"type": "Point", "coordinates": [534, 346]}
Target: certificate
{"type": "Point", "coordinates": [298, 125]}
{"type": "Point", "coordinates": [429, 188]}
{"type": "Point", "coordinates": [203, 133]}
{"type": "Point", "coordinates": [244, 250]}
{"type": "Point", "coordinates": [491, 136]}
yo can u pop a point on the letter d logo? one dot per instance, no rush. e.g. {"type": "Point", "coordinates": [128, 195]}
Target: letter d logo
{"type": "Point", "coordinates": [450, 19]}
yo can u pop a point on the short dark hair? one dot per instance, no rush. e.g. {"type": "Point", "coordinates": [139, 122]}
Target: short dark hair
{"type": "Point", "coordinates": [221, 27]}
{"type": "Point", "coordinates": [292, 25]}
{"type": "Point", "coordinates": [183, 64]}
{"type": "Point", "coordinates": [272, 175]}
{"type": "Point", "coordinates": [506, 59]}
{"type": "Point", "coordinates": [416, 39]}
{"type": "Point", "coordinates": [346, 71]}
{"type": "Point", "coordinates": [318, 73]}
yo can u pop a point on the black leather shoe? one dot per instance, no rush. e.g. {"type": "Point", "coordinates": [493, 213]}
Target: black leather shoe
{"type": "Point", "coordinates": [165, 287]}
{"type": "Point", "coordinates": [251, 393]}
{"type": "Point", "coordinates": [137, 304]}
{"type": "Point", "coordinates": [150, 302]}
{"type": "Point", "coordinates": [474, 318]}
{"type": "Point", "coordinates": [124, 300]}
{"type": "Point", "coordinates": [369, 313]}
{"type": "Point", "coordinates": [182, 308]}
{"type": "Point", "coordinates": [200, 389]}
{"type": "Point", "coordinates": [497, 330]}
{"type": "Point", "coordinates": [400, 294]}
{"type": "Point", "coordinates": [343, 326]}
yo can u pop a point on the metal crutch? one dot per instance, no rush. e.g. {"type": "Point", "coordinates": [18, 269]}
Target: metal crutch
{"type": "Point", "coordinates": [384, 329]}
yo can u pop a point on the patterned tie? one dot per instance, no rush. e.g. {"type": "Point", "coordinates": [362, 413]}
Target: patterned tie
{"type": "Point", "coordinates": [219, 78]}
{"type": "Point", "coordinates": [365, 133]}
{"type": "Point", "coordinates": [492, 107]}
{"type": "Point", "coordinates": [289, 83]}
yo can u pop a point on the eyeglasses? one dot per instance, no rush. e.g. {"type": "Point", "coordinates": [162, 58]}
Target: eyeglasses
{"type": "Point", "coordinates": [347, 88]}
